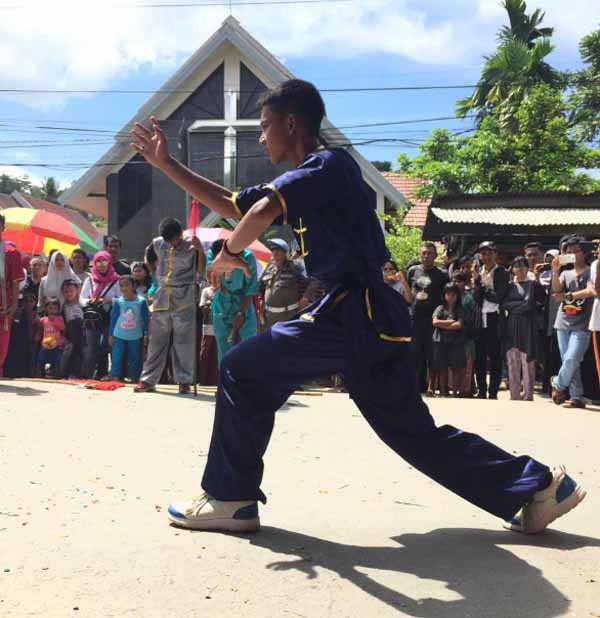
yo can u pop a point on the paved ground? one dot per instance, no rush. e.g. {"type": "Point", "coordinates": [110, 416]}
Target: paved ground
{"type": "Point", "coordinates": [350, 529]}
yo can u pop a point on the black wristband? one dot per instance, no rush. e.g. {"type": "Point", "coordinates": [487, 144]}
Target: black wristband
{"type": "Point", "coordinates": [229, 253]}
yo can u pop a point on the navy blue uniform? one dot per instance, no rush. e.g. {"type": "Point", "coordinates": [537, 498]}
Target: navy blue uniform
{"type": "Point", "coordinates": [361, 329]}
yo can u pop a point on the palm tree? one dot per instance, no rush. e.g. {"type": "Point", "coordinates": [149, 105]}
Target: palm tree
{"type": "Point", "coordinates": [585, 98]}
{"type": "Point", "coordinates": [517, 65]}
{"type": "Point", "coordinates": [50, 190]}
{"type": "Point", "coordinates": [523, 27]}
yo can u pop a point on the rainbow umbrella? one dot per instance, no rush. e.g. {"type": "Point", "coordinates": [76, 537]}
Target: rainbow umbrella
{"type": "Point", "coordinates": [38, 231]}
{"type": "Point", "coordinates": [208, 235]}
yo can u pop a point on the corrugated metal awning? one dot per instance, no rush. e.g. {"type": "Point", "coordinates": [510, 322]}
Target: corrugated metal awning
{"type": "Point", "coordinates": [519, 216]}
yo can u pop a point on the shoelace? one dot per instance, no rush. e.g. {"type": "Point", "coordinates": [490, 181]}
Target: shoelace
{"type": "Point", "coordinates": [197, 504]}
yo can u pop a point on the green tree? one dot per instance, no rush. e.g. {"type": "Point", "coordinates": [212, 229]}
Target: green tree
{"type": "Point", "coordinates": [50, 190]}
{"type": "Point", "coordinates": [382, 166]}
{"type": "Point", "coordinates": [585, 97]}
{"type": "Point", "coordinates": [517, 66]}
{"type": "Point", "coordinates": [403, 242]}
{"type": "Point", "coordinates": [542, 155]}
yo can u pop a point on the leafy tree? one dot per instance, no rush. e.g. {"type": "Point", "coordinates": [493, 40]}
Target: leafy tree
{"type": "Point", "coordinates": [382, 166]}
{"type": "Point", "coordinates": [585, 98]}
{"type": "Point", "coordinates": [517, 66]}
{"type": "Point", "coordinates": [8, 184]}
{"type": "Point", "coordinates": [50, 190]}
{"type": "Point", "coordinates": [542, 155]}
{"type": "Point", "coordinates": [404, 242]}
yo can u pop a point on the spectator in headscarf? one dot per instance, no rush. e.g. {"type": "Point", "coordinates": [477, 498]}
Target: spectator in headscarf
{"type": "Point", "coordinates": [97, 298]}
{"type": "Point", "coordinates": [51, 285]}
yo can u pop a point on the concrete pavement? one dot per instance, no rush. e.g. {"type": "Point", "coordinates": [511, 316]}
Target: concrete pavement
{"type": "Point", "coordinates": [350, 530]}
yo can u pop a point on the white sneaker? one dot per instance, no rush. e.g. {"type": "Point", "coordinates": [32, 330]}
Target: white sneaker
{"type": "Point", "coordinates": [207, 513]}
{"type": "Point", "coordinates": [561, 496]}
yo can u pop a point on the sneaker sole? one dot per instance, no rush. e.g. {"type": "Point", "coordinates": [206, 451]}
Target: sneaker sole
{"type": "Point", "coordinates": [562, 508]}
{"type": "Point", "coordinates": [223, 525]}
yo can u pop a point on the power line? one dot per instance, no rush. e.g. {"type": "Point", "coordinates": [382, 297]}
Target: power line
{"type": "Point", "coordinates": [184, 5]}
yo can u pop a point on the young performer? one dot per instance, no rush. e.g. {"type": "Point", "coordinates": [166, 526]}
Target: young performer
{"type": "Point", "coordinates": [174, 259]}
{"type": "Point", "coordinates": [360, 328]}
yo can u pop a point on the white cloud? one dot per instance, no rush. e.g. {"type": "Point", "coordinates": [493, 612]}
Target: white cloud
{"type": "Point", "coordinates": [84, 44]}
{"type": "Point", "coordinates": [20, 172]}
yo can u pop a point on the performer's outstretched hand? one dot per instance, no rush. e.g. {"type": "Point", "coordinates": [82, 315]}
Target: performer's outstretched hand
{"type": "Point", "coordinates": [225, 264]}
{"type": "Point", "coordinates": [152, 145]}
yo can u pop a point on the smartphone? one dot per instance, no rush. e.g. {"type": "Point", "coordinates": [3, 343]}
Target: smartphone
{"type": "Point", "coordinates": [568, 258]}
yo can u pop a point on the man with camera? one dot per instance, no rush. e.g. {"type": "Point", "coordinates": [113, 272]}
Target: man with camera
{"type": "Point", "coordinates": [571, 288]}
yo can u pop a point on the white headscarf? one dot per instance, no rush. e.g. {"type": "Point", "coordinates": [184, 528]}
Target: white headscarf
{"type": "Point", "coordinates": [54, 278]}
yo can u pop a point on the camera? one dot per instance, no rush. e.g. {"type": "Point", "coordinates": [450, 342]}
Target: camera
{"type": "Point", "coordinates": [568, 258]}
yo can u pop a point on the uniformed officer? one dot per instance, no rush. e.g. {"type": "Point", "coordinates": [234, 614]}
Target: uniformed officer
{"type": "Point", "coordinates": [281, 286]}
{"type": "Point", "coordinates": [361, 328]}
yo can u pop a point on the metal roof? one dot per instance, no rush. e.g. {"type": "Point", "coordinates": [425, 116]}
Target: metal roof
{"type": "Point", "coordinates": [519, 216]}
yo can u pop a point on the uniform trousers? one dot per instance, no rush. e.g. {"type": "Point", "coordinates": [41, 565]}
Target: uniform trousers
{"type": "Point", "coordinates": [381, 380]}
{"type": "Point", "coordinates": [163, 324]}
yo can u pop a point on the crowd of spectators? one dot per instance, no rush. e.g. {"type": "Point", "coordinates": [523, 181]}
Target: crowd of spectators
{"type": "Point", "coordinates": [476, 322]}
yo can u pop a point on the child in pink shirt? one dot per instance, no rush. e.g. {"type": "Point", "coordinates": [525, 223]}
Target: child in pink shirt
{"type": "Point", "coordinates": [53, 339]}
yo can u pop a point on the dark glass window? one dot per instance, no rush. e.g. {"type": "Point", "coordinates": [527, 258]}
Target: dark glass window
{"type": "Point", "coordinates": [206, 152]}
{"type": "Point", "coordinates": [253, 164]}
{"type": "Point", "coordinates": [207, 103]}
{"type": "Point", "coordinates": [251, 88]}
{"type": "Point", "coordinates": [135, 188]}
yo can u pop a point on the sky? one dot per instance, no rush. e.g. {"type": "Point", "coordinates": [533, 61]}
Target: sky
{"type": "Point", "coordinates": [101, 44]}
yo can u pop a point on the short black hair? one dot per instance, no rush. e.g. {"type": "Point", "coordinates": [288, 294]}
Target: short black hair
{"type": "Point", "coordinates": [574, 240]}
{"type": "Point", "coordinates": [533, 245]}
{"type": "Point", "coordinates": [520, 261]}
{"type": "Point", "coordinates": [429, 245]}
{"type": "Point", "coordinates": [465, 259]}
{"type": "Point", "coordinates": [112, 238]}
{"type": "Point", "coordinates": [392, 263]}
{"type": "Point", "coordinates": [299, 97]}
{"type": "Point", "coordinates": [129, 278]}
{"type": "Point", "coordinates": [69, 282]}
{"type": "Point", "coordinates": [170, 228]}
{"type": "Point", "coordinates": [52, 301]}
{"type": "Point", "coordinates": [80, 252]}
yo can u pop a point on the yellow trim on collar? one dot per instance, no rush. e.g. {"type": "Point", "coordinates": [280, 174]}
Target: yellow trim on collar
{"type": "Point", "coordinates": [282, 201]}
{"type": "Point", "coordinates": [233, 199]}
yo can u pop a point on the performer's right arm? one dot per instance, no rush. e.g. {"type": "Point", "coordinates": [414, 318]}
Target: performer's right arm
{"type": "Point", "coordinates": [153, 146]}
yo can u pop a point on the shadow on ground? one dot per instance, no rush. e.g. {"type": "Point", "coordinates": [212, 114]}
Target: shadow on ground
{"type": "Point", "coordinates": [474, 563]}
{"type": "Point", "coordinates": [23, 391]}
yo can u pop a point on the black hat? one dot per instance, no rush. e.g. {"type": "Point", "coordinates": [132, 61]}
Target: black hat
{"type": "Point", "coordinates": [487, 244]}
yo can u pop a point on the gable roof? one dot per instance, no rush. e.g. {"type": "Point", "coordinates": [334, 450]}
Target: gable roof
{"type": "Point", "coordinates": [417, 214]}
{"type": "Point", "coordinates": [89, 192]}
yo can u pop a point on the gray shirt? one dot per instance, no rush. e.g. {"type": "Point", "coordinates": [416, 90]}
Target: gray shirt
{"type": "Point", "coordinates": [574, 315]}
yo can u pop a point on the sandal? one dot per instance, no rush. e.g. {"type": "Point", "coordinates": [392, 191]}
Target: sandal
{"type": "Point", "coordinates": [574, 403]}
